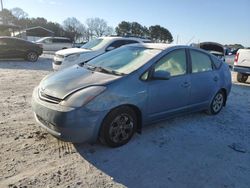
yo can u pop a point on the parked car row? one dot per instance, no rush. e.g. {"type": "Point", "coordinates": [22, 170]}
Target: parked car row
{"type": "Point", "coordinates": [112, 96]}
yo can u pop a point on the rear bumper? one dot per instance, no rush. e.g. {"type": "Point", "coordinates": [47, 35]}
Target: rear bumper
{"type": "Point", "coordinates": [75, 125]}
{"type": "Point", "coordinates": [243, 70]}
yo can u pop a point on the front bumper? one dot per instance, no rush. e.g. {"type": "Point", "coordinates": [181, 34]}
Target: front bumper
{"type": "Point", "coordinates": [243, 70]}
{"type": "Point", "coordinates": [75, 125]}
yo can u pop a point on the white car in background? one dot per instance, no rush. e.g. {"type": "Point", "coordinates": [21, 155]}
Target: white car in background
{"type": "Point", "coordinates": [242, 65]}
{"type": "Point", "coordinates": [54, 43]}
{"type": "Point", "coordinates": [96, 47]}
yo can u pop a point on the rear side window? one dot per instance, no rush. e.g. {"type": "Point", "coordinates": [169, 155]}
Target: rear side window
{"type": "Point", "coordinates": [174, 62]}
{"type": "Point", "coordinates": [55, 40]}
{"type": "Point", "coordinates": [200, 62]}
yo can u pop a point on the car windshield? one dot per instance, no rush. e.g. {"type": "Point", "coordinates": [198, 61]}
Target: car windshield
{"type": "Point", "coordinates": [94, 44]}
{"type": "Point", "coordinates": [124, 60]}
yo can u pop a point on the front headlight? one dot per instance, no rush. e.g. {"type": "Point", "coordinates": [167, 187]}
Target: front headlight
{"type": "Point", "coordinates": [72, 57]}
{"type": "Point", "coordinates": [83, 96]}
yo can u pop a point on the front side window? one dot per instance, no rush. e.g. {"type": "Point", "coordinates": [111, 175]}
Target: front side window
{"type": "Point", "coordinates": [48, 41]}
{"type": "Point", "coordinates": [200, 62]}
{"type": "Point", "coordinates": [174, 62]}
{"type": "Point", "coordinates": [94, 44]}
{"type": "Point", "coordinates": [124, 60]}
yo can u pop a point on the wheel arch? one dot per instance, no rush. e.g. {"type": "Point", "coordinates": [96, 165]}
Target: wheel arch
{"type": "Point", "coordinates": [134, 108]}
{"type": "Point", "coordinates": [224, 91]}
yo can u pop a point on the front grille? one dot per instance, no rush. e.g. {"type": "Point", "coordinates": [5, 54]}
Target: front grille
{"type": "Point", "coordinates": [49, 98]}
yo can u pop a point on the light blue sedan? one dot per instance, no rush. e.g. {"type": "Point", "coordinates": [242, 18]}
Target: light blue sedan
{"type": "Point", "coordinates": [114, 95]}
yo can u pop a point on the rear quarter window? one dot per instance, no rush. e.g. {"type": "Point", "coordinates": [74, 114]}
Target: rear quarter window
{"type": "Point", "coordinates": [216, 62]}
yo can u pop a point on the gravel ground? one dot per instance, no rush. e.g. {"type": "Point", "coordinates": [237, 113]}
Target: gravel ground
{"type": "Point", "coordinates": [190, 151]}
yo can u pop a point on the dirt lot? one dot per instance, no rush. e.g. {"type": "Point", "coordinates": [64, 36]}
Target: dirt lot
{"type": "Point", "coordinates": [191, 151]}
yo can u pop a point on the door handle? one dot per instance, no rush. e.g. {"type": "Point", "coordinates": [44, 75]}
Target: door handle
{"type": "Point", "coordinates": [216, 78]}
{"type": "Point", "coordinates": [185, 84]}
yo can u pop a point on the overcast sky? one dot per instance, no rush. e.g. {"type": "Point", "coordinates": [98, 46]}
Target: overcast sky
{"type": "Point", "coordinates": [222, 21]}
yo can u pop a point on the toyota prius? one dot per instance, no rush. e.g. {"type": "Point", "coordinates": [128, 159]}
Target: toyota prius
{"type": "Point", "coordinates": [114, 95]}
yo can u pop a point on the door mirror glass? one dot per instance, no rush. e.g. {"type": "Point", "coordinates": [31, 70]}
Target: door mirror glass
{"type": "Point", "coordinates": [161, 75]}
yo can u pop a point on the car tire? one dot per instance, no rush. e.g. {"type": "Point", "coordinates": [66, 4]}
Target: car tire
{"type": "Point", "coordinates": [217, 103]}
{"type": "Point", "coordinates": [32, 56]}
{"type": "Point", "coordinates": [118, 127]}
{"type": "Point", "coordinates": [242, 77]}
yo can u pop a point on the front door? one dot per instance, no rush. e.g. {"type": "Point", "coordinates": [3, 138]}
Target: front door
{"type": "Point", "coordinates": [168, 97]}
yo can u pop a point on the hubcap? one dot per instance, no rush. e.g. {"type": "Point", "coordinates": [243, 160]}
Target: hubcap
{"type": "Point", "coordinates": [218, 102]}
{"type": "Point", "coordinates": [121, 128]}
{"type": "Point", "coordinates": [32, 56]}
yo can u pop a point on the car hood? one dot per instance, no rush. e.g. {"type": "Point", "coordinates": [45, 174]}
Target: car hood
{"type": "Point", "coordinates": [62, 83]}
{"type": "Point", "coordinates": [70, 51]}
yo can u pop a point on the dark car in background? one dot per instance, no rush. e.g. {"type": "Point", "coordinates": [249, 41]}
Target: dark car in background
{"type": "Point", "coordinates": [11, 47]}
{"type": "Point", "coordinates": [214, 48]}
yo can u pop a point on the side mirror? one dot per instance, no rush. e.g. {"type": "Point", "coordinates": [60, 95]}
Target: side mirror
{"type": "Point", "coordinates": [161, 75]}
{"type": "Point", "coordinates": [110, 48]}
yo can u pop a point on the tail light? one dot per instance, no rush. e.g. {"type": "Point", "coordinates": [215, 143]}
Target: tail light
{"type": "Point", "coordinates": [236, 58]}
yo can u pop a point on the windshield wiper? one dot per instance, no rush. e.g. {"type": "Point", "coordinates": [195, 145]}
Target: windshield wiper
{"type": "Point", "coordinates": [88, 66]}
{"type": "Point", "coordinates": [102, 69]}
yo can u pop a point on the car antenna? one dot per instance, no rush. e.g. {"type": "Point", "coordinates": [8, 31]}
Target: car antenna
{"type": "Point", "coordinates": [192, 38]}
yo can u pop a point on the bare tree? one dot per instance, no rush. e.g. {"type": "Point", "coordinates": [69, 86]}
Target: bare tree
{"type": "Point", "coordinates": [19, 13]}
{"type": "Point", "coordinates": [98, 27]}
{"type": "Point", "coordinates": [74, 28]}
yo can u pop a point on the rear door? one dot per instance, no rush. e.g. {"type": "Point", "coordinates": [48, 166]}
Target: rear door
{"type": "Point", "coordinates": [204, 80]}
{"type": "Point", "coordinates": [9, 48]}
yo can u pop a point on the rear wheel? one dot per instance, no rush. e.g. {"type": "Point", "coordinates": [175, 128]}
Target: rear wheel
{"type": "Point", "coordinates": [217, 103]}
{"type": "Point", "coordinates": [32, 56]}
{"type": "Point", "coordinates": [242, 77]}
{"type": "Point", "coordinates": [118, 127]}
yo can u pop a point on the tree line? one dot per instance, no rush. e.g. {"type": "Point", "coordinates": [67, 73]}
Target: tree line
{"type": "Point", "coordinates": [92, 28]}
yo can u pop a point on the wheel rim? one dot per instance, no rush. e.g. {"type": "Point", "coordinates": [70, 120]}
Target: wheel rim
{"type": "Point", "coordinates": [32, 56]}
{"type": "Point", "coordinates": [218, 102]}
{"type": "Point", "coordinates": [121, 128]}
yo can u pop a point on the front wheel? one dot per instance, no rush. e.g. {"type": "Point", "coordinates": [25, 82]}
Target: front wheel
{"type": "Point", "coordinates": [118, 127]}
{"type": "Point", "coordinates": [217, 103]}
{"type": "Point", "coordinates": [32, 56]}
{"type": "Point", "coordinates": [242, 77]}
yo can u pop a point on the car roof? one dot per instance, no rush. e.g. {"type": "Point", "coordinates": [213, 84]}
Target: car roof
{"type": "Point", "coordinates": [159, 46]}
{"type": "Point", "coordinates": [54, 38]}
{"type": "Point", "coordinates": [13, 38]}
